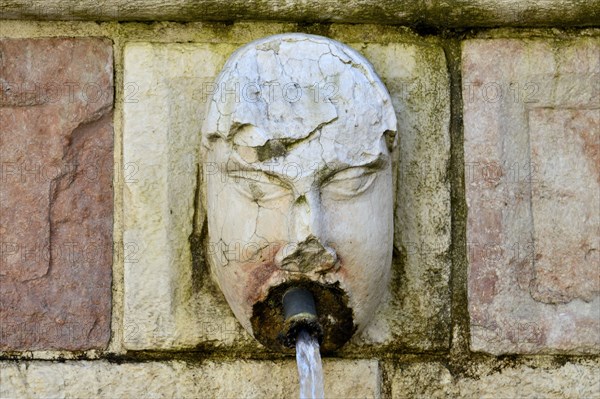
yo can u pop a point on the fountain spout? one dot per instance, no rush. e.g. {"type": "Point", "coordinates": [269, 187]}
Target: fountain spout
{"type": "Point", "coordinates": [300, 314]}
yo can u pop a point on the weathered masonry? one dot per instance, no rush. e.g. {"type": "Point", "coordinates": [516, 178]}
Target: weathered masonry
{"type": "Point", "coordinates": [106, 283]}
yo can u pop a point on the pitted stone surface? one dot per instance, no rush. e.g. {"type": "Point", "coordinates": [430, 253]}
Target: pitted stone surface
{"type": "Point", "coordinates": [359, 378]}
{"type": "Point", "coordinates": [532, 117]}
{"type": "Point", "coordinates": [56, 201]}
{"type": "Point", "coordinates": [162, 308]}
{"type": "Point", "coordinates": [417, 314]}
{"type": "Point", "coordinates": [177, 379]}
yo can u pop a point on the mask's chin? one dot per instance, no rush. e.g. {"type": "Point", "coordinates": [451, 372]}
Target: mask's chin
{"type": "Point", "coordinates": [333, 315]}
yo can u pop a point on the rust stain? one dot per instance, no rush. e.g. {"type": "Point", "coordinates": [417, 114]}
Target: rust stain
{"type": "Point", "coordinates": [259, 273]}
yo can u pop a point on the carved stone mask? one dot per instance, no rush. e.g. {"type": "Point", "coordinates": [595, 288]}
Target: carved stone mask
{"type": "Point", "coordinates": [298, 187]}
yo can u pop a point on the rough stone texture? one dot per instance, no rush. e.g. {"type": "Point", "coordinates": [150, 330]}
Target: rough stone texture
{"type": "Point", "coordinates": [163, 309]}
{"type": "Point", "coordinates": [531, 117]}
{"type": "Point", "coordinates": [166, 303]}
{"type": "Point", "coordinates": [433, 380]}
{"type": "Point", "coordinates": [565, 149]}
{"type": "Point", "coordinates": [278, 379]}
{"type": "Point", "coordinates": [56, 199]}
{"type": "Point", "coordinates": [453, 13]}
{"type": "Point", "coordinates": [419, 380]}
{"type": "Point", "coordinates": [177, 379]}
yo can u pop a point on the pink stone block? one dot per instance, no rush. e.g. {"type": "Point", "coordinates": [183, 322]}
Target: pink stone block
{"type": "Point", "coordinates": [532, 177]}
{"type": "Point", "coordinates": [56, 202]}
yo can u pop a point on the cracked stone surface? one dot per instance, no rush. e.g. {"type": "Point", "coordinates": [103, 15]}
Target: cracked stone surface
{"type": "Point", "coordinates": [330, 220]}
{"type": "Point", "coordinates": [56, 200]}
{"type": "Point", "coordinates": [163, 309]}
{"type": "Point", "coordinates": [532, 112]}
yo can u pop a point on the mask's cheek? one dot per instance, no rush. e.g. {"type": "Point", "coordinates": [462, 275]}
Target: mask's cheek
{"type": "Point", "coordinates": [244, 283]}
{"type": "Point", "coordinates": [235, 216]}
{"type": "Point", "coordinates": [361, 231]}
{"type": "Point", "coordinates": [260, 273]}
{"type": "Point", "coordinates": [272, 223]}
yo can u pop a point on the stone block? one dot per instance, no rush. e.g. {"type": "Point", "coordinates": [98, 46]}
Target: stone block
{"type": "Point", "coordinates": [532, 157]}
{"type": "Point", "coordinates": [419, 380]}
{"type": "Point", "coordinates": [170, 299]}
{"type": "Point", "coordinates": [439, 14]}
{"type": "Point", "coordinates": [178, 379]}
{"type": "Point", "coordinates": [417, 313]}
{"type": "Point", "coordinates": [433, 380]}
{"type": "Point", "coordinates": [569, 381]}
{"type": "Point", "coordinates": [168, 303]}
{"type": "Point", "coordinates": [56, 200]}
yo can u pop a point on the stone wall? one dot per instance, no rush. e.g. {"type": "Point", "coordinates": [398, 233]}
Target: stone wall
{"type": "Point", "coordinates": [496, 282]}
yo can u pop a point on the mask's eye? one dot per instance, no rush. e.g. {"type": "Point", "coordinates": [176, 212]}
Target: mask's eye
{"type": "Point", "coordinates": [349, 182]}
{"type": "Point", "coordinates": [257, 185]}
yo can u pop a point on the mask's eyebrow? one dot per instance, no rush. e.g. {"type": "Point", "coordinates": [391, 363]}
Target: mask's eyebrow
{"type": "Point", "coordinates": [373, 165]}
{"type": "Point", "coordinates": [237, 164]}
{"type": "Point", "coordinates": [323, 172]}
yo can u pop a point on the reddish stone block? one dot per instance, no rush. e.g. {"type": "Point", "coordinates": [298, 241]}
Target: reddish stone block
{"type": "Point", "coordinates": [566, 204]}
{"type": "Point", "coordinates": [56, 202]}
{"type": "Point", "coordinates": [532, 178]}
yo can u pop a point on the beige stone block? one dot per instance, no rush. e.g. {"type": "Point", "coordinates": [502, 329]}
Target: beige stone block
{"type": "Point", "coordinates": [177, 379]}
{"type": "Point", "coordinates": [162, 114]}
{"type": "Point", "coordinates": [570, 381]}
{"type": "Point", "coordinates": [417, 313]}
{"type": "Point", "coordinates": [419, 380]}
{"type": "Point", "coordinates": [434, 380]}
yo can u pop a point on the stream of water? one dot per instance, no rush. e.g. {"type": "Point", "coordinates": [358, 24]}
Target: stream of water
{"type": "Point", "coordinates": [310, 369]}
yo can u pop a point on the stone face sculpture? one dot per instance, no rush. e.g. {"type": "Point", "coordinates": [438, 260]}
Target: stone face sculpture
{"type": "Point", "coordinates": [298, 189]}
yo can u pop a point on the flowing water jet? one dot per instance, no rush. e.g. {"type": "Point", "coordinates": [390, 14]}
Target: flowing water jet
{"type": "Point", "coordinates": [302, 330]}
{"type": "Point", "coordinates": [310, 368]}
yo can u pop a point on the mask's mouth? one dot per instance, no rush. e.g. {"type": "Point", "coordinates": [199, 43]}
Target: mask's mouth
{"type": "Point", "coordinates": [320, 309]}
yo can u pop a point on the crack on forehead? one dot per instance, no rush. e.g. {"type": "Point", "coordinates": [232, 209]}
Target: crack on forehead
{"type": "Point", "coordinates": [248, 135]}
{"type": "Point", "coordinates": [283, 99]}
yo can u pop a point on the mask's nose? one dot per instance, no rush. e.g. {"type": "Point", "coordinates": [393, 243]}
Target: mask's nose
{"type": "Point", "coordinates": [305, 252]}
{"type": "Point", "coordinates": [307, 256]}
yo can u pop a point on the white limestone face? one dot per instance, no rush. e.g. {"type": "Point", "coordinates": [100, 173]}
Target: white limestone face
{"type": "Point", "coordinates": [297, 176]}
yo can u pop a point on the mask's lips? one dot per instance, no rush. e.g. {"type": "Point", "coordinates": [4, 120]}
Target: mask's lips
{"type": "Point", "coordinates": [332, 310]}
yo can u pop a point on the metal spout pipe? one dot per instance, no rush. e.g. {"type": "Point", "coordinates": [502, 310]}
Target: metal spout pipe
{"type": "Point", "coordinates": [300, 313]}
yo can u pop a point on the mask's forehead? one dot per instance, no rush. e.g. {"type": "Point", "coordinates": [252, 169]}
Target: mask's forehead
{"type": "Point", "coordinates": [283, 92]}
{"type": "Point", "coordinates": [303, 89]}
